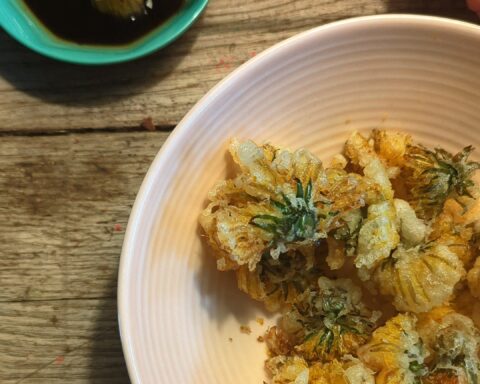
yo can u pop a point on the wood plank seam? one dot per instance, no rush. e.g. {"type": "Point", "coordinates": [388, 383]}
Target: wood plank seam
{"type": "Point", "coordinates": [23, 301]}
{"type": "Point", "coordinates": [80, 131]}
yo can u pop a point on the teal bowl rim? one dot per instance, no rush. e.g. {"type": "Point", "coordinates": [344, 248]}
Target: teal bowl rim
{"type": "Point", "coordinates": [22, 25]}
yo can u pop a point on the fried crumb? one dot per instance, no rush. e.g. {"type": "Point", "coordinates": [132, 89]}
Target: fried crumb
{"type": "Point", "coordinates": [260, 320]}
{"type": "Point", "coordinates": [230, 339]}
{"type": "Point", "coordinates": [147, 123]}
{"type": "Point", "coordinates": [260, 339]}
{"type": "Point", "coordinates": [245, 329]}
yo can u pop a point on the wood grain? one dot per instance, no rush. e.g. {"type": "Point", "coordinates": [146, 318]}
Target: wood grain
{"type": "Point", "coordinates": [72, 157]}
{"type": "Point", "coordinates": [37, 94]}
{"type": "Point", "coordinates": [64, 205]}
{"type": "Point", "coordinates": [60, 341]}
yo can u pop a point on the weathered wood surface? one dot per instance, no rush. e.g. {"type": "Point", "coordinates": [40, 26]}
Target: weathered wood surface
{"type": "Point", "coordinates": [61, 341]}
{"type": "Point", "coordinates": [39, 94]}
{"type": "Point", "coordinates": [64, 205]}
{"type": "Point", "coordinates": [72, 159]}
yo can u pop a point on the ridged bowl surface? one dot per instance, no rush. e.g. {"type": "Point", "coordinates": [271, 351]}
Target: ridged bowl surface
{"type": "Point", "coordinates": [179, 317]}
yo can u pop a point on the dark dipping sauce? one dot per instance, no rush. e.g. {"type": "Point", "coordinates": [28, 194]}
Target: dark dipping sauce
{"type": "Point", "coordinates": [78, 21]}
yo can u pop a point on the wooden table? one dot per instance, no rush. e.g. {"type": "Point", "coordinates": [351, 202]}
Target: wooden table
{"type": "Point", "coordinates": [73, 154]}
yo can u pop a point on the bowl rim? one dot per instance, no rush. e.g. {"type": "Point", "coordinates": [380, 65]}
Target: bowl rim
{"type": "Point", "coordinates": [69, 52]}
{"type": "Point", "coordinates": [243, 71]}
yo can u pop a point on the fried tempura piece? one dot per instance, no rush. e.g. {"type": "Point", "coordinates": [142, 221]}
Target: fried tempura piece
{"type": "Point", "coordinates": [288, 370]}
{"type": "Point", "coordinates": [280, 201]}
{"type": "Point", "coordinates": [391, 146]}
{"type": "Point", "coordinates": [378, 235]}
{"type": "Point", "coordinates": [380, 232]}
{"type": "Point", "coordinates": [268, 206]}
{"type": "Point", "coordinates": [450, 229]}
{"type": "Point", "coordinates": [330, 321]}
{"type": "Point", "coordinates": [295, 370]}
{"type": "Point", "coordinates": [419, 275]}
{"type": "Point", "coordinates": [419, 278]}
{"type": "Point", "coordinates": [453, 343]}
{"type": "Point", "coordinates": [360, 152]}
{"type": "Point", "coordinates": [356, 372]}
{"type": "Point", "coordinates": [433, 176]}
{"type": "Point", "coordinates": [347, 371]}
{"type": "Point", "coordinates": [347, 235]}
{"type": "Point", "coordinates": [285, 223]}
{"type": "Point", "coordinates": [412, 229]}
{"type": "Point", "coordinates": [394, 353]}
{"type": "Point", "coordinates": [277, 282]}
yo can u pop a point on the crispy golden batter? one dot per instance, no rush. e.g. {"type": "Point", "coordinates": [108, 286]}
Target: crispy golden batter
{"type": "Point", "coordinates": [391, 146]}
{"type": "Point", "coordinates": [288, 370]}
{"type": "Point", "coordinates": [277, 282]}
{"type": "Point", "coordinates": [325, 323]}
{"type": "Point", "coordinates": [394, 352]}
{"type": "Point", "coordinates": [326, 247]}
{"type": "Point", "coordinates": [279, 201]}
{"type": "Point", "coordinates": [451, 229]}
{"type": "Point", "coordinates": [453, 343]}
{"type": "Point", "coordinates": [333, 320]}
{"type": "Point", "coordinates": [295, 370]}
{"type": "Point", "coordinates": [378, 235]}
{"type": "Point", "coordinates": [421, 278]}
{"type": "Point", "coordinates": [362, 154]}
{"type": "Point", "coordinates": [412, 229]}
{"type": "Point", "coordinates": [346, 371]}
{"type": "Point", "coordinates": [432, 177]}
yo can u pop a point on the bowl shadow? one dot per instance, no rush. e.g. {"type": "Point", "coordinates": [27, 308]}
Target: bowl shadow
{"type": "Point", "coordinates": [220, 296]}
{"type": "Point", "coordinates": [68, 84]}
{"type": "Point", "coordinates": [107, 362]}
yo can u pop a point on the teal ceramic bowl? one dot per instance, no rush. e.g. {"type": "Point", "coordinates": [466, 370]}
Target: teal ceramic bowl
{"type": "Point", "coordinates": [20, 23]}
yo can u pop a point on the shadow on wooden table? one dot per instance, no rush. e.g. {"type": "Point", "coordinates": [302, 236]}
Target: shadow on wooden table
{"type": "Point", "coordinates": [107, 363]}
{"type": "Point", "coordinates": [68, 84]}
{"type": "Point", "coordinates": [447, 8]}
